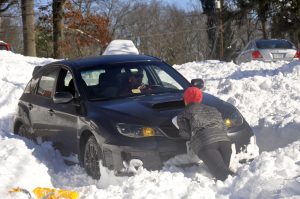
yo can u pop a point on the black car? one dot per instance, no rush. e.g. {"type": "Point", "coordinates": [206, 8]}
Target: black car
{"type": "Point", "coordinates": [82, 107]}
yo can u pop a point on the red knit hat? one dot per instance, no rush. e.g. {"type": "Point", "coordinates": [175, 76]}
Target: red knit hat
{"type": "Point", "coordinates": [192, 94]}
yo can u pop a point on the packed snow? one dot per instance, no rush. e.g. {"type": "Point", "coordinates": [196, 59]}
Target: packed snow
{"type": "Point", "coordinates": [117, 47]}
{"type": "Point", "coordinates": [267, 94]}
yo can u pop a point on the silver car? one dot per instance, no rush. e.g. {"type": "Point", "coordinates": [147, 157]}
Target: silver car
{"type": "Point", "coordinates": [268, 50]}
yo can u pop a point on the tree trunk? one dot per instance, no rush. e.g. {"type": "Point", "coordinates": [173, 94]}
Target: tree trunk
{"type": "Point", "coordinates": [58, 27]}
{"type": "Point", "coordinates": [264, 31]}
{"type": "Point", "coordinates": [263, 8]}
{"type": "Point", "coordinates": [28, 27]}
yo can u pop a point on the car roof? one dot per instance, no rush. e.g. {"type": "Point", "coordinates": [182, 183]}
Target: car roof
{"type": "Point", "coordinates": [270, 40]}
{"type": "Point", "coordinates": [105, 59]}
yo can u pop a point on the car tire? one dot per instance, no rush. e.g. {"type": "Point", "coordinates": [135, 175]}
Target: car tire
{"type": "Point", "coordinates": [91, 158]}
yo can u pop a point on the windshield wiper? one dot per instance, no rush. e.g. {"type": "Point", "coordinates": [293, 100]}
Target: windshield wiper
{"type": "Point", "coordinates": [104, 98]}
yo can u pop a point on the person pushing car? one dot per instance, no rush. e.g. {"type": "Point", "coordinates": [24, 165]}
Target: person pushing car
{"type": "Point", "coordinates": [204, 127]}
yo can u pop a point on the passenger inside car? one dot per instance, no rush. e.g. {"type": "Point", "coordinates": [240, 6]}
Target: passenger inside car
{"type": "Point", "coordinates": [109, 83]}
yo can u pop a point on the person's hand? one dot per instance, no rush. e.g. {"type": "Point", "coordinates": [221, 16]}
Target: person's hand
{"type": "Point", "coordinates": [144, 88]}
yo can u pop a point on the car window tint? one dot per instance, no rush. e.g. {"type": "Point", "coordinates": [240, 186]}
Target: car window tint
{"type": "Point", "coordinates": [273, 44]}
{"type": "Point", "coordinates": [166, 79]}
{"type": "Point", "coordinates": [91, 77]}
{"type": "Point", "coordinates": [46, 84]}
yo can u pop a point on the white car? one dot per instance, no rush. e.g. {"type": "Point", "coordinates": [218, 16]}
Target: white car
{"type": "Point", "coordinates": [268, 50]}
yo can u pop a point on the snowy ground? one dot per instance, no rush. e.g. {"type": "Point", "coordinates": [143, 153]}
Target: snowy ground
{"type": "Point", "coordinates": [267, 94]}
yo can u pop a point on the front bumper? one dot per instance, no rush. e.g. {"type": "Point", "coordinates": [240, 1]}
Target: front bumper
{"type": "Point", "coordinates": [152, 153]}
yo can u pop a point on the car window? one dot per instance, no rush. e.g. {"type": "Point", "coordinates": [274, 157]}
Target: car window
{"type": "Point", "coordinates": [91, 78]}
{"type": "Point", "coordinates": [249, 46]}
{"type": "Point", "coordinates": [274, 44]}
{"type": "Point", "coordinates": [129, 79]}
{"type": "Point", "coordinates": [141, 70]}
{"type": "Point", "coordinates": [166, 80]}
{"type": "Point", "coordinates": [46, 84]}
{"type": "Point", "coordinates": [68, 78]}
{"type": "Point", "coordinates": [65, 82]}
{"type": "Point", "coordinates": [31, 86]}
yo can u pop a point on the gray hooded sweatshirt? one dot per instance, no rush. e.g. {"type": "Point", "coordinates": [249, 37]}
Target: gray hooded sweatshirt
{"type": "Point", "coordinates": [202, 125]}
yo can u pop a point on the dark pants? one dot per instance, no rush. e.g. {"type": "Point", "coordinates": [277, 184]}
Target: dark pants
{"type": "Point", "coordinates": [216, 157]}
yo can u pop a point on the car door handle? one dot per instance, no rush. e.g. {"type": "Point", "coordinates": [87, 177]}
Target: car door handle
{"type": "Point", "coordinates": [30, 106]}
{"type": "Point", "coordinates": [51, 112]}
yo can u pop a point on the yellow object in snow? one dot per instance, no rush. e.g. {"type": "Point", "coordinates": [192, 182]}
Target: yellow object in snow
{"type": "Point", "coordinates": [48, 193]}
{"type": "Point", "coordinates": [18, 189]}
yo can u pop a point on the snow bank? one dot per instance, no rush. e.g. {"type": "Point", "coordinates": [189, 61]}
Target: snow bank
{"type": "Point", "coordinates": [267, 94]}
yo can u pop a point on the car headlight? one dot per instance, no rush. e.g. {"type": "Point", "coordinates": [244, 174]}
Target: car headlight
{"type": "Point", "coordinates": [234, 120]}
{"type": "Point", "coordinates": [138, 131]}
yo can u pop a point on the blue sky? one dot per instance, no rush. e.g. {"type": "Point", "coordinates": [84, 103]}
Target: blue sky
{"type": "Point", "coordinates": [185, 4]}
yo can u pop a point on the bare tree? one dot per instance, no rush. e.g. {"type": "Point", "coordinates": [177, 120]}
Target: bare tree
{"type": "Point", "coordinates": [27, 7]}
{"type": "Point", "coordinates": [58, 27]}
{"type": "Point", "coordinates": [6, 4]}
{"type": "Point", "coordinates": [116, 11]}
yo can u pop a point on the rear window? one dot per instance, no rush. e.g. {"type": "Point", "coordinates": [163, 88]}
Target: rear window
{"type": "Point", "coordinates": [274, 44]}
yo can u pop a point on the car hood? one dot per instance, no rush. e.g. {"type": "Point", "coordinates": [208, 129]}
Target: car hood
{"type": "Point", "coordinates": [153, 110]}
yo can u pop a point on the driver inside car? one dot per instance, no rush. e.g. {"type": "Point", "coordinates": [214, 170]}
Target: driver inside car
{"type": "Point", "coordinates": [134, 84]}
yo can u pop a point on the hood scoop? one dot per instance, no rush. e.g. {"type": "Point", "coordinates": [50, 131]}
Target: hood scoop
{"type": "Point", "coordinates": [168, 105]}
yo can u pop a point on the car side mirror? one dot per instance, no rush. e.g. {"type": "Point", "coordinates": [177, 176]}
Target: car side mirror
{"type": "Point", "coordinates": [198, 83]}
{"type": "Point", "coordinates": [62, 97]}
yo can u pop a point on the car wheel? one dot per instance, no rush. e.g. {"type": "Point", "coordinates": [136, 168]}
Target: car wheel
{"type": "Point", "coordinates": [91, 158]}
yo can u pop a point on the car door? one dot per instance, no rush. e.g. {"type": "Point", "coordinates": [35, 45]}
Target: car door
{"type": "Point", "coordinates": [27, 106]}
{"type": "Point", "coordinates": [66, 115]}
{"type": "Point", "coordinates": [41, 110]}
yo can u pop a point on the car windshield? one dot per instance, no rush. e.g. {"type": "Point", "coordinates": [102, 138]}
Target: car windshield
{"type": "Point", "coordinates": [274, 44]}
{"type": "Point", "coordinates": [131, 79]}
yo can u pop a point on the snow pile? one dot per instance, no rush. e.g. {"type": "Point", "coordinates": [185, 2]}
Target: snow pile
{"type": "Point", "coordinates": [267, 94]}
{"type": "Point", "coordinates": [117, 47]}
